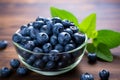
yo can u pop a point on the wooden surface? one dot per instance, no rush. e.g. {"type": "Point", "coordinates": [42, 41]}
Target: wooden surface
{"type": "Point", "coordinates": [14, 13]}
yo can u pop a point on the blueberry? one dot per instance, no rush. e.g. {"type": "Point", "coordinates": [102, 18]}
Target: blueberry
{"type": "Point", "coordinates": [26, 31]}
{"type": "Point", "coordinates": [30, 45]}
{"type": "Point", "coordinates": [54, 55]}
{"type": "Point", "coordinates": [61, 64]}
{"type": "Point", "coordinates": [45, 58]}
{"type": "Point", "coordinates": [56, 20]}
{"type": "Point", "coordinates": [30, 24]}
{"type": "Point", "coordinates": [25, 40]}
{"type": "Point", "coordinates": [53, 40]}
{"type": "Point", "coordinates": [5, 72]}
{"type": "Point", "coordinates": [38, 50]}
{"type": "Point", "coordinates": [64, 38]}
{"type": "Point", "coordinates": [38, 24]}
{"type": "Point", "coordinates": [104, 74]}
{"type": "Point", "coordinates": [31, 59]}
{"type": "Point", "coordinates": [47, 47]}
{"type": "Point", "coordinates": [74, 29]}
{"type": "Point", "coordinates": [22, 71]}
{"type": "Point", "coordinates": [39, 18]}
{"type": "Point", "coordinates": [14, 63]}
{"type": "Point", "coordinates": [33, 33]}
{"type": "Point", "coordinates": [69, 31]}
{"type": "Point", "coordinates": [3, 44]}
{"type": "Point", "coordinates": [66, 57]}
{"type": "Point", "coordinates": [69, 47]}
{"type": "Point", "coordinates": [39, 64]}
{"type": "Point", "coordinates": [92, 57]}
{"type": "Point", "coordinates": [67, 24]}
{"type": "Point", "coordinates": [79, 38]}
{"type": "Point", "coordinates": [57, 28]}
{"type": "Point", "coordinates": [46, 29]}
{"type": "Point", "coordinates": [23, 26]}
{"type": "Point", "coordinates": [59, 47]}
{"type": "Point", "coordinates": [50, 65]}
{"type": "Point", "coordinates": [17, 37]}
{"type": "Point", "coordinates": [42, 38]}
{"type": "Point", "coordinates": [86, 76]}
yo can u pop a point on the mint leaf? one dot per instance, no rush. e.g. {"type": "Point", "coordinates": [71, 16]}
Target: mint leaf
{"type": "Point", "coordinates": [63, 14]}
{"type": "Point", "coordinates": [88, 26]}
{"type": "Point", "coordinates": [108, 37]}
{"type": "Point", "coordinates": [91, 48]}
{"type": "Point", "coordinates": [104, 53]}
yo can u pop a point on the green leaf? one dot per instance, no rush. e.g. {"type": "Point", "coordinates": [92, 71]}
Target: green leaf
{"type": "Point", "coordinates": [108, 37]}
{"type": "Point", "coordinates": [88, 26]}
{"type": "Point", "coordinates": [104, 53]}
{"type": "Point", "coordinates": [91, 48]}
{"type": "Point", "coordinates": [63, 14]}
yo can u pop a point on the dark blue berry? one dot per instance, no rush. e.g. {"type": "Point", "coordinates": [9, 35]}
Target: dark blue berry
{"type": "Point", "coordinates": [59, 47]}
{"type": "Point", "coordinates": [42, 38]}
{"type": "Point", "coordinates": [69, 31]}
{"type": "Point", "coordinates": [22, 71]}
{"type": "Point", "coordinates": [64, 38]}
{"type": "Point", "coordinates": [54, 55]}
{"type": "Point", "coordinates": [14, 63]}
{"type": "Point", "coordinates": [23, 26]}
{"type": "Point", "coordinates": [66, 57]}
{"type": "Point", "coordinates": [92, 57]}
{"type": "Point", "coordinates": [67, 24]}
{"type": "Point", "coordinates": [31, 59]}
{"type": "Point", "coordinates": [30, 24]}
{"type": "Point", "coordinates": [5, 72]}
{"type": "Point", "coordinates": [39, 18]}
{"type": "Point", "coordinates": [26, 31]}
{"type": "Point", "coordinates": [25, 40]}
{"type": "Point", "coordinates": [33, 33]}
{"type": "Point", "coordinates": [57, 28]}
{"type": "Point", "coordinates": [46, 29]}
{"type": "Point", "coordinates": [30, 45]}
{"type": "Point", "coordinates": [56, 20]}
{"type": "Point", "coordinates": [38, 50]}
{"type": "Point", "coordinates": [79, 38]}
{"type": "Point", "coordinates": [61, 64]}
{"type": "Point", "coordinates": [3, 44]}
{"type": "Point", "coordinates": [86, 76]}
{"type": "Point", "coordinates": [38, 24]}
{"type": "Point", "coordinates": [53, 40]}
{"type": "Point", "coordinates": [104, 74]}
{"type": "Point", "coordinates": [45, 58]}
{"type": "Point", "coordinates": [17, 37]}
{"type": "Point", "coordinates": [39, 64]}
{"type": "Point", "coordinates": [74, 29]}
{"type": "Point", "coordinates": [47, 47]}
{"type": "Point", "coordinates": [50, 65]}
{"type": "Point", "coordinates": [69, 47]}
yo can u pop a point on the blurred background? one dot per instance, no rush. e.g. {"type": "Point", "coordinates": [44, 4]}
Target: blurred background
{"type": "Point", "coordinates": [18, 12]}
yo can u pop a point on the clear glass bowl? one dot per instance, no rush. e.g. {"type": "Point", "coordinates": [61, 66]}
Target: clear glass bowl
{"type": "Point", "coordinates": [69, 59]}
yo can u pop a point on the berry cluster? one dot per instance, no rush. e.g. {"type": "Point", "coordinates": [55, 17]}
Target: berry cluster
{"type": "Point", "coordinates": [51, 37]}
{"type": "Point", "coordinates": [104, 75]}
{"type": "Point", "coordinates": [15, 65]}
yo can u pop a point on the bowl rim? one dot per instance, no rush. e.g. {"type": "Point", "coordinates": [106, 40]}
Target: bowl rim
{"type": "Point", "coordinates": [81, 46]}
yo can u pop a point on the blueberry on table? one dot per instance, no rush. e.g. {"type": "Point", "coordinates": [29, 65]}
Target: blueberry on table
{"type": "Point", "coordinates": [14, 63]}
{"type": "Point", "coordinates": [69, 47]}
{"type": "Point", "coordinates": [57, 28]}
{"type": "Point", "coordinates": [79, 38]}
{"type": "Point", "coordinates": [86, 76]}
{"type": "Point", "coordinates": [42, 38]}
{"type": "Point", "coordinates": [92, 57]}
{"type": "Point", "coordinates": [59, 47]}
{"type": "Point", "coordinates": [3, 44]}
{"type": "Point", "coordinates": [104, 74]}
{"type": "Point", "coordinates": [64, 38]}
{"type": "Point", "coordinates": [53, 40]}
{"type": "Point", "coordinates": [22, 71]}
{"type": "Point", "coordinates": [47, 47]}
{"type": "Point", "coordinates": [5, 72]}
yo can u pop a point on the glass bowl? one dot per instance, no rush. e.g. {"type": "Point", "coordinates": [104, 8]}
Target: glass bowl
{"type": "Point", "coordinates": [65, 61]}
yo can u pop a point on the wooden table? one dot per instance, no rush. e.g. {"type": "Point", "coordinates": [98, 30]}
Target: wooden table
{"type": "Point", "coordinates": [14, 13]}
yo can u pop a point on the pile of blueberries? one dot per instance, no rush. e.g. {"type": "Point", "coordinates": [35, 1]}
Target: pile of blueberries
{"type": "Point", "coordinates": [49, 36]}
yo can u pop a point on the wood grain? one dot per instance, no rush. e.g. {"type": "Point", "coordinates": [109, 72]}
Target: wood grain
{"type": "Point", "coordinates": [14, 13]}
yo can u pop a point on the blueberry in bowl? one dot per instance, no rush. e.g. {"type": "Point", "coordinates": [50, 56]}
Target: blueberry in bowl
{"type": "Point", "coordinates": [50, 46]}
